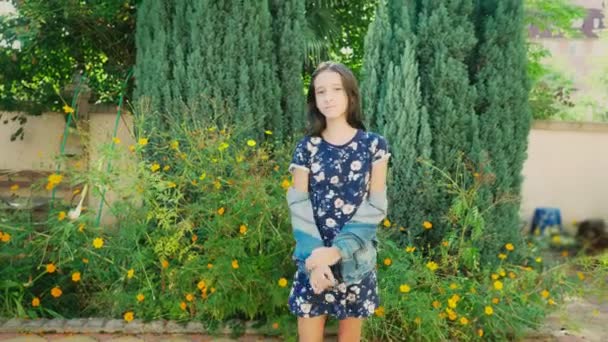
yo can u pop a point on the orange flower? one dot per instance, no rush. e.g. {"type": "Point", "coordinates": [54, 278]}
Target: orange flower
{"type": "Point", "coordinates": [14, 187]}
{"type": "Point", "coordinates": [56, 292]}
{"type": "Point", "coordinates": [386, 223]}
{"type": "Point", "coordinates": [379, 311]}
{"type": "Point", "coordinates": [275, 325]}
{"type": "Point", "coordinates": [5, 237]}
{"type": "Point", "coordinates": [36, 302]}
{"type": "Point", "coordinates": [201, 285]}
{"type": "Point", "coordinates": [388, 261]}
{"type": "Point", "coordinates": [285, 184]}
{"type": "Point", "coordinates": [221, 211]}
{"type": "Point", "coordinates": [164, 263]}
{"type": "Point", "coordinates": [61, 216]}
{"type": "Point", "coordinates": [427, 225]}
{"type": "Point", "coordinates": [76, 276]}
{"type": "Point", "coordinates": [498, 285]}
{"type": "Point", "coordinates": [128, 316]}
{"type": "Point", "coordinates": [436, 304]}
{"type": "Point", "coordinates": [495, 300]}
{"type": "Point", "coordinates": [243, 229]}
{"type": "Point", "coordinates": [209, 266]}
{"type": "Point", "coordinates": [182, 305]}
{"type": "Point", "coordinates": [189, 297]}
{"type": "Point", "coordinates": [502, 256]}
{"type": "Point", "coordinates": [509, 247]}
{"type": "Point", "coordinates": [140, 297]}
{"type": "Point", "coordinates": [545, 294]}
{"type": "Point", "coordinates": [50, 268]}
{"type": "Point", "coordinates": [235, 264]}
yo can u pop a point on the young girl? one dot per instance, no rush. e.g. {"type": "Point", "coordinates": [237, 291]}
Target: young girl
{"type": "Point", "coordinates": [337, 199]}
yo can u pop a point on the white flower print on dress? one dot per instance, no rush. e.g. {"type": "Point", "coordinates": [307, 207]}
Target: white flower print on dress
{"type": "Point", "coordinates": [338, 203]}
{"type": "Point", "coordinates": [342, 287]}
{"type": "Point", "coordinates": [305, 307]}
{"type": "Point", "coordinates": [330, 194]}
{"type": "Point", "coordinates": [334, 180]}
{"type": "Point", "coordinates": [348, 209]}
{"type": "Point", "coordinates": [315, 167]}
{"type": "Point", "coordinates": [330, 222]}
{"type": "Point", "coordinates": [355, 165]}
{"type": "Point", "coordinates": [315, 140]}
{"type": "Point", "coordinates": [353, 145]}
{"type": "Point", "coordinates": [320, 176]}
{"type": "Point", "coordinates": [330, 298]}
{"type": "Point", "coordinates": [351, 297]}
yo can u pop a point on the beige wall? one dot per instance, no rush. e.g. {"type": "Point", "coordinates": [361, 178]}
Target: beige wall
{"type": "Point", "coordinates": [567, 167]}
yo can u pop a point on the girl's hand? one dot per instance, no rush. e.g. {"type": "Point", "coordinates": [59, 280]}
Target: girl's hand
{"type": "Point", "coordinates": [321, 278]}
{"type": "Point", "coordinates": [322, 256]}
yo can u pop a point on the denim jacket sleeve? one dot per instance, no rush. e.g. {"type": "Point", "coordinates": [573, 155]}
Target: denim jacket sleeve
{"type": "Point", "coordinates": [305, 231]}
{"type": "Point", "coordinates": [362, 226]}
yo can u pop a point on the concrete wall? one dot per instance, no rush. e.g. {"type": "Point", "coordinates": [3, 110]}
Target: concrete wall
{"type": "Point", "coordinates": [567, 167]}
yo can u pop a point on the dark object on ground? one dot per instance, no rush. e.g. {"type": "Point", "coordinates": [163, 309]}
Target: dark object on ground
{"type": "Point", "coordinates": [592, 235]}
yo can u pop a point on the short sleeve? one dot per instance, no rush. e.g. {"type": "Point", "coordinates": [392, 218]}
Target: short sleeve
{"type": "Point", "coordinates": [301, 157]}
{"type": "Point", "coordinates": [380, 151]}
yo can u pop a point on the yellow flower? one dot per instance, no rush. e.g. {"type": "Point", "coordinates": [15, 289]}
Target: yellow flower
{"type": "Point", "coordinates": [56, 292]}
{"type": "Point", "coordinates": [509, 247]}
{"type": "Point", "coordinates": [5, 237]}
{"type": "Point", "coordinates": [81, 227]}
{"type": "Point", "coordinates": [427, 225]}
{"type": "Point", "coordinates": [55, 178]}
{"type": "Point", "coordinates": [61, 216]}
{"type": "Point", "coordinates": [182, 305]}
{"type": "Point", "coordinates": [489, 311]}
{"type": "Point", "coordinates": [201, 285]}
{"type": "Point", "coordinates": [464, 321]}
{"type": "Point", "coordinates": [36, 302]}
{"type": "Point", "coordinates": [203, 176]}
{"type": "Point", "coordinates": [285, 184]}
{"type": "Point", "coordinates": [453, 301]}
{"type": "Point", "coordinates": [410, 249]}
{"type": "Point", "coordinates": [243, 229]}
{"type": "Point", "coordinates": [128, 316]}
{"type": "Point", "coordinates": [239, 158]}
{"type": "Point", "coordinates": [495, 300]}
{"type": "Point", "coordinates": [85, 260]}
{"type": "Point", "coordinates": [580, 275]}
{"type": "Point", "coordinates": [431, 265]}
{"type": "Point", "coordinates": [386, 223]}
{"type": "Point", "coordinates": [98, 242]}
{"type": "Point", "coordinates": [14, 187]}
{"type": "Point", "coordinates": [155, 167]}
{"type": "Point", "coordinates": [223, 146]}
{"type": "Point", "coordinates": [217, 184]}
{"type": "Point", "coordinates": [445, 243]}
{"type": "Point", "coordinates": [502, 256]}
{"type": "Point", "coordinates": [50, 268]}
{"type": "Point", "coordinates": [282, 282]}
{"type": "Point", "coordinates": [130, 273]}
{"type": "Point", "coordinates": [132, 148]}
{"type": "Point", "coordinates": [76, 276]}
{"type": "Point", "coordinates": [551, 301]}
{"type": "Point", "coordinates": [402, 229]}
{"type": "Point", "coordinates": [116, 140]}
{"type": "Point", "coordinates": [539, 259]}
{"type": "Point", "coordinates": [166, 168]}
{"type": "Point", "coordinates": [565, 253]}
{"type": "Point", "coordinates": [268, 132]}
{"type": "Point", "coordinates": [512, 275]}
{"type": "Point", "coordinates": [235, 264]}
{"type": "Point", "coordinates": [221, 211]}
{"type": "Point", "coordinates": [436, 304]}
{"type": "Point", "coordinates": [142, 141]}
{"type": "Point", "coordinates": [453, 286]}
{"type": "Point", "coordinates": [388, 261]}
{"type": "Point", "coordinates": [175, 144]}
{"type": "Point", "coordinates": [67, 109]}
{"type": "Point", "coordinates": [545, 294]}
{"type": "Point", "coordinates": [480, 332]}
{"type": "Point", "coordinates": [418, 320]}
{"type": "Point", "coordinates": [209, 266]}
{"type": "Point", "coordinates": [275, 325]}
{"type": "Point", "coordinates": [379, 311]}
{"type": "Point", "coordinates": [164, 263]}
{"type": "Point", "coordinates": [451, 314]}
{"type": "Point", "coordinates": [501, 272]}
{"type": "Point", "coordinates": [498, 285]}
{"type": "Point", "coordinates": [404, 288]}
{"type": "Point", "coordinates": [251, 142]}
{"type": "Point", "coordinates": [140, 297]}
{"type": "Point", "coordinates": [171, 184]}
{"type": "Point", "coordinates": [189, 297]}
{"type": "Point", "coordinates": [556, 239]}
{"type": "Point", "coordinates": [494, 276]}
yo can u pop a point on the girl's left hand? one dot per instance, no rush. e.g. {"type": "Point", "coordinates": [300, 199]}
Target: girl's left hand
{"type": "Point", "coordinates": [322, 256]}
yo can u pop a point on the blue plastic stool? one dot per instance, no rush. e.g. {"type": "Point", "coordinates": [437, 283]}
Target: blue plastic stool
{"type": "Point", "coordinates": [546, 218]}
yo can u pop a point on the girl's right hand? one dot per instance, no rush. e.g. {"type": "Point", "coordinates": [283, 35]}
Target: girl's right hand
{"type": "Point", "coordinates": [321, 278]}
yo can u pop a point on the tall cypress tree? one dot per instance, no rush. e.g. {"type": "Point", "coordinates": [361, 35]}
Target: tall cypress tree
{"type": "Point", "coordinates": [504, 115]}
{"type": "Point", "coordinates": [446, 40]}
{"type": "Point", "coordinates": [288, 22]}
{"type": "Point", "coordinates": [217, 61]}
{"type": "Point", "coordinates": [391, 92]}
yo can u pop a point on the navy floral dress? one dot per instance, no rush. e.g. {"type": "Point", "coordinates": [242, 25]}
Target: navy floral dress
{"type": "Point", "coordinates": [339, 180]}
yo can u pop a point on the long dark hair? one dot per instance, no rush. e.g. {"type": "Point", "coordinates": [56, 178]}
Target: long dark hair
{"type": "Point", "coordinates": [354, 114]}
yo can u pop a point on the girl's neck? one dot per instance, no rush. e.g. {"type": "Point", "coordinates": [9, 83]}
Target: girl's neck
{"type": "Point", "coordinates": [338, 131]}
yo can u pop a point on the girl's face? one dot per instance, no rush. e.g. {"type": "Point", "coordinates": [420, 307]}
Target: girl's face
{"type": "Point", "coordinates": [330, 96]}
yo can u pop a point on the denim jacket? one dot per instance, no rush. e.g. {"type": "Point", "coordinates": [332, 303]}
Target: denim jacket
{"type": "Point", "coordinates": [356, 241]}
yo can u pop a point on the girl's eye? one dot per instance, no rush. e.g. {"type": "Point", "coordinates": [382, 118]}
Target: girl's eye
{"type": "Point", "coordinates": [321, 92]}
{"type": "Point", "coordinates": [337, 89]}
